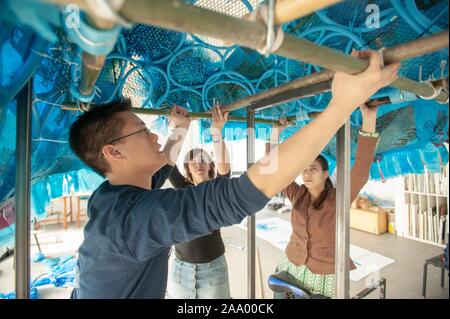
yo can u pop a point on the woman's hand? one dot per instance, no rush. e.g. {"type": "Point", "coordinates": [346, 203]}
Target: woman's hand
{"type": "Point", "coordinates": [219, 119]}
{"type": "Point", "coordinates": [178, 117]}
{"type": "Point", "coordinates": [369, 115]}
{"type": "Point", "coordinates": [353, 90]}
{"type": "Point", "coordinates": [277, 129]}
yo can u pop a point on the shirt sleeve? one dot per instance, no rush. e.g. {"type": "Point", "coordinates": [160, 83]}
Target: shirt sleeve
{"type": "Point", "coordinates": [177, 179]}
{"type": "Point", "coordinates": [161, 218]}
{"type": "Point", "coordinates": [161, 176]}
{"type": "Point", "coordinates": [292, 191]}
{"type": "Point", "coordinates": [227, 175]}
{"type": "Point", "coordinates": [361, 168]}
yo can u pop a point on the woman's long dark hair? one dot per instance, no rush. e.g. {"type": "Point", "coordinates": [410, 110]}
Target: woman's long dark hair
{"type": "Point", "coordinates": [328, 183]}
{"type": "Point", "coordinates": [194, 153]}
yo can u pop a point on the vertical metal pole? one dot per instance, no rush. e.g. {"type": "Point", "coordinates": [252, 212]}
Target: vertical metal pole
{"type": "Point", "coordinates": [22, 198]}
{"type": "Point", "coordinates": [447, 192]}
{"type": "Point", "coordinates": [343, 212]}
{"type": "Point", "coordinates": [251, 242]}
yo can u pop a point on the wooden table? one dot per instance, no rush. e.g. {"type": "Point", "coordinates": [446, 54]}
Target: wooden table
{"type": "Point", "coordinates": [79, 197]}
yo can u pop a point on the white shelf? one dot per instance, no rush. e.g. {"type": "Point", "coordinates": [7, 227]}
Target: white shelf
{"type": "Point", "coordinates": [419, 207]}
{"type": "Point", "coordinates": [424, 241]}
{"type": "Point", "coordinates": [427, 194]}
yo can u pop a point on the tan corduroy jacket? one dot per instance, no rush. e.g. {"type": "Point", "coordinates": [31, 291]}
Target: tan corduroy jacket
{"type": "Point", "coordinates": [312, 242]}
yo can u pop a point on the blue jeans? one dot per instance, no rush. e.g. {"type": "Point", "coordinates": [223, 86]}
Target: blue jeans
{"type": "Point", "coordinates": [199, 281]}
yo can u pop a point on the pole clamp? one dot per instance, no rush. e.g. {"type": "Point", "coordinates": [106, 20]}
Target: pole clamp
{"type": "Point", "coordinates": [76, 94]}
{"type": "Point", "coordinates": [265, 14]}
{"type": "Point", "coordinates": [89, 38]}
{"type": "Point", "coordinates": [436, 92]}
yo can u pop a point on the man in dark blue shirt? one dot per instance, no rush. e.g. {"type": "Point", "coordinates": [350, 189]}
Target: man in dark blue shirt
{"type": "Point", "coordinates": [132, 223]}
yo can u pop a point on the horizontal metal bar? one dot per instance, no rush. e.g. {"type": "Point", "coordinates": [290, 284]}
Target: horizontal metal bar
{"type": "Point", "coordinates": [390, 55]}
{"type": "Point", "coordinates": [291, 95]}
{"type": "Point", "coordinates": [179, 16]}
{"type": "Point", "coordinates": [306, 81]}
{"type": "Point", "coordinates": [70, 106]}
{"type": "Point", "coordinates": [417, 47]}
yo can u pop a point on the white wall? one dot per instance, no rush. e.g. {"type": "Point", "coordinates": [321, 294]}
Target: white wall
{"type": "Point", "coordinates": [384, 193]}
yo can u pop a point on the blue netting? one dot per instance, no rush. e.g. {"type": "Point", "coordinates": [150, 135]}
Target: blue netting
{"type": "Point", "coordinates": [61, 272]}
{"type": "Point", "coordinates": [193, 65]}
{"type": "Point", "coordinates": [151, 44]}
{"type": "Point", "coordinates": [188, 98]}
{"type": "Point", "coordinates": [155, 67]}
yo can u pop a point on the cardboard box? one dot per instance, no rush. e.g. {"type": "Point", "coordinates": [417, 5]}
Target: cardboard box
{"type": "Point", "coordinates": [370, 221]}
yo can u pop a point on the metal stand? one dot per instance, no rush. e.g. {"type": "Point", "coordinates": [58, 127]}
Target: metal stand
{"type": "Point", "coordinates": [381, 284]}
{"type": "Point", "coordinates": [22, 198]}
{"type": "Point", "coordinates": [251, 241]}
{"type": "Point", "coordinates": [343, 212]}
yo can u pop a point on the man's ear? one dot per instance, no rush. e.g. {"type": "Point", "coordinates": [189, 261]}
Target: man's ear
{"type": "Point", "coordinates": [111, 152]}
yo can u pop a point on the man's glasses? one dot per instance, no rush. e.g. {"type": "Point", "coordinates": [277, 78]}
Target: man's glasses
{"type": "Point", "coordinates": [146, 130]}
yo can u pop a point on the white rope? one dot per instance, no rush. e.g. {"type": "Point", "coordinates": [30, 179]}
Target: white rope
{"type": "Point", "coordinates": [445, 91]}
{"type": "Point", "coordinates": [380, 52]}
{"type": "Point", "coordinates": [436, 93]}
{"type": "Point", "coordinates": [265, 14]}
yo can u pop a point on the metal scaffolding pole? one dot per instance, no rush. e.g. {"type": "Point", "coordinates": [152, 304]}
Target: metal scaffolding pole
{"type": "Point", "coordinates": [251, 240]}
{"type": "Point", "coordinates": [288, 96]}
{"type": "Point", "coordinates": [22, 197]}
{"type": "Point", "coordinates": [178, 16]}
{"type": "Point", "coordinates": [92, 65]}
{"type": "Point", "coordinates": [70, 106]}
{"type": "Point", "coordinates": [311, 90]}
{"type": "Point", "coordinates": [395, 54]}
{"type": "Point", "coordinates": [342, 248]}
{"type": "Point", "coordinates": [301, 85]}
{"type": "Point", "coordinates": [417, 47]}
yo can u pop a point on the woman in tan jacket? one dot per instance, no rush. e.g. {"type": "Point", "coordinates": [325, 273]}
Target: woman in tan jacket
{"type": "Point", "coordinates": [310, 253]}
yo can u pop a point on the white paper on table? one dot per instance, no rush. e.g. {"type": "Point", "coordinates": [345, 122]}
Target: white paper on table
{"type": "Point", "coordinates": [357, 252]}
{"type": "Point", "coordinates": [368, 264]}
{"type": "Point", "coordinates": [275, 230]}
